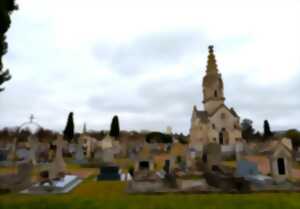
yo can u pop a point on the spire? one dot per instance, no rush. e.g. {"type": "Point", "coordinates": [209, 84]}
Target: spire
{"type": "Point", "coordinates": [211, 67]}
{"type": "Point", "coordinates": [84, 128]}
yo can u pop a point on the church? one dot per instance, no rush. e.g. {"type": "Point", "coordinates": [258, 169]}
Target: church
{"type": "Point", "coordinates": [217, 122]}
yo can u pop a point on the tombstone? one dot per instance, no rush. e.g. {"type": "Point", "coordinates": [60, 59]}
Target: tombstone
{"type": "Point", "coordinates": [212, 155]}
{"type": "Point", "coordinates": [109, 173]}
{"type": "Point", "coordinates": [79, 154]}
{"type": "Point", "coordinates": [3, 154]}
{"type": "Point", "coordinates": [246, 168]}
{"type": "Point", "coordinates": [18, 181]}
{"type": "Point", "coordinates": [108, 155]}
{"type": "Point", "coordinates": [47, 185]}
{"type": "Point", "coordinates": [72, 148]}
{"type": "Point", "coordinates": [12, 150]}
{"type": "Point", "coordinates": [43, 152]}
{"type": "Point", "coordinates": [33, 143]}
{"type": "Point", "coordinates": [98, 153]}
{"type": "Point", "coordinates": [23, 154]}
{"type": "Point", "coordinates": [107, 142]}
{"type": "Point", "coordinates": [239, 149]}
{"type": "Point", "coordinates": [58, 166]}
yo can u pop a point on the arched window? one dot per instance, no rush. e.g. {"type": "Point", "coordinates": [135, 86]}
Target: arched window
{"type": "Point", "coordinates": [216, 93]}
{"type": "Point", "coordinates": [213, 126]}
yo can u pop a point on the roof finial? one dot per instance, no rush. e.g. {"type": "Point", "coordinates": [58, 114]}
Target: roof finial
{"type": "Point", "coordinates": [211, 49]}
{"type": "Point", "coordinates": [212, 67]}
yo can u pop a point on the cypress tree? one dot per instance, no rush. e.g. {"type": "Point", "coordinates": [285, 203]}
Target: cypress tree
{"type": "Point", "coordinates": [6, 8]}
{"type": "Point", "coordinates": [115, 128]}
{"type": "Point", "coordinates": [69, 129]}
{"type": "Point", "coordinates": [267, 129]}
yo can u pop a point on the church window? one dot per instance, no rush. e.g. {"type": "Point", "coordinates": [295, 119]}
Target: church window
{"type": "Point", "coordinates": [216, 93]}
{"type": "Point", "coordinates": [213, 126]}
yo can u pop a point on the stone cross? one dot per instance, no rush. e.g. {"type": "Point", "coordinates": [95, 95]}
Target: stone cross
{"type": "Point", "coordinates": [31, 118]}
{"type": "Point", "coordinates": [58, 165]}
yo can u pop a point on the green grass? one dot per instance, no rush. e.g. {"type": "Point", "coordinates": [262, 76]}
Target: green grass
{"type": "Point", "coordinates": [102, 195]}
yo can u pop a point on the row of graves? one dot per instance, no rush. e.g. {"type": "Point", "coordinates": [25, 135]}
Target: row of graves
{"type": "Point", "coordinates": [255, 167]}
{"type": "Point", "coordinates": [34, 156]}
{"type": "Point", "coordinates": [152, 163]}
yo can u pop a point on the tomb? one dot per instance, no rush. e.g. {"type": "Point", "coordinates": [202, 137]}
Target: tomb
{"type": "Point", "coordinates": [108, 173]}
{"type": "Point", "coordinates": [18, 181]}
{"type": "Point", "coordinates": [57, 186]}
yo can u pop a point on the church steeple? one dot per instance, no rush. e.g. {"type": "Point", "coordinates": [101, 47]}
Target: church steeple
{"type": "Point", "coordinates": [211, 67]}
{"type": "Point", "coordinates": [213, 93]}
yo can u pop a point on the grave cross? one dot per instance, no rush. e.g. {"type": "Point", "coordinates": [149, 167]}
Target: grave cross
{"type": "Point", "coordinates": [31, 118]}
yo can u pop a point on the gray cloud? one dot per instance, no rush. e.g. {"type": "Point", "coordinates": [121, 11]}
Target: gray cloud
{"type": "Point", "coordinates": [150, 51]}
{"type": "Point", "coordinates": [279, 103]}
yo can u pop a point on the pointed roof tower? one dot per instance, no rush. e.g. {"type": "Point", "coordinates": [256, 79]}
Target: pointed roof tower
{"type": "Point", "coordinates": [213, 92]}
{"type": "Point", "coordinates": [211, 67]}
{"type": "Point", "coordinates": [84, 128]}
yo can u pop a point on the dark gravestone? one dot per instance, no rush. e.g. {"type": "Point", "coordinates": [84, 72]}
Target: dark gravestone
{"type": "Point", "coordinates": [108, 173]}
{"type": "Point", "coordinates": [245, 168]}
{"type": "Point", "coordinates": [3, 155]}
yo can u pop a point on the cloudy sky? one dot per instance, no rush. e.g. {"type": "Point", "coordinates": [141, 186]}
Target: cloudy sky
{"type": "Point", "coordinates": [144, 61]}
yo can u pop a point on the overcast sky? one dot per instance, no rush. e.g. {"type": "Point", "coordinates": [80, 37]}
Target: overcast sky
{"type": "Point", "coordinates": [145, 60]}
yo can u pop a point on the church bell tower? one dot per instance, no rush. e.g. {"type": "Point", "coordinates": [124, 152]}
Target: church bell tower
{"type": "Point", "coordinates": [213, 92]}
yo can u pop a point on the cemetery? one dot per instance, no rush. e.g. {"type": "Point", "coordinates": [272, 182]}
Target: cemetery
{"type": "Point", "coordinates": [212, 159]}
{"type": "Point", "coordinates": [218, 162]}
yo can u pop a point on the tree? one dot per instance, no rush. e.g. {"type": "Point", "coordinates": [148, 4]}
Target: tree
{"type": "Point", "coordinates": [267, 130]}
{"type": "Point", "coordinates": [6, 8]}
{"type": "Point", "coordinates": [69, 130]}
{"type": "Point", "coordinates": [247, 129]}
{"type": "Point", "coordinates": [294, 135]}
{"type": "Point", "coordinates": [46, 135]}
{"type": "Point", "coordinates": [114, 127]}
{"type": "Point", "coordinates": [158, 137]}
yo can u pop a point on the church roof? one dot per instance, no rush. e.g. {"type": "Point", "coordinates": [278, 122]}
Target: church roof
{"type": "Point", "coordinates": [231, 110]}
{"type": "Point", "coordinates": [202, 115]}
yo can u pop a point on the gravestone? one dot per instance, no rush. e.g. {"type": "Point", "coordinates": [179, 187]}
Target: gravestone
{"type": "Point", "coordinates": [79, 153]}
{"type": "Point", "coordinates": [3, 154]}
{"type": "Point", "coordinates": [18, 181]}
{"type": "Point", "coordinates": [58, 166]}
{"type": "Point", "coordinates": [245, 168]}
{"type": "Point", "coordinates": [12, 150]}
{"type": "Point", "coordinates": [109, 173]}
{"type": "Point", "coordinates": [23, 154]}
{"type": "Point", "coordinates": [33, 143]}
{"type": "Point", "coordinates": [108, 155]}
{"type": "Point", "coordinates": [212, 155]}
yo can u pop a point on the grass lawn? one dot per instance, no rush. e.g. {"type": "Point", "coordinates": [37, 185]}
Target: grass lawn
{"type": "Point", "coordinates": [92, 194]}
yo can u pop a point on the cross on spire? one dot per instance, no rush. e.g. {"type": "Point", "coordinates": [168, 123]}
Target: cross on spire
{"type": "Point", "coordinates": [31, 118]}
